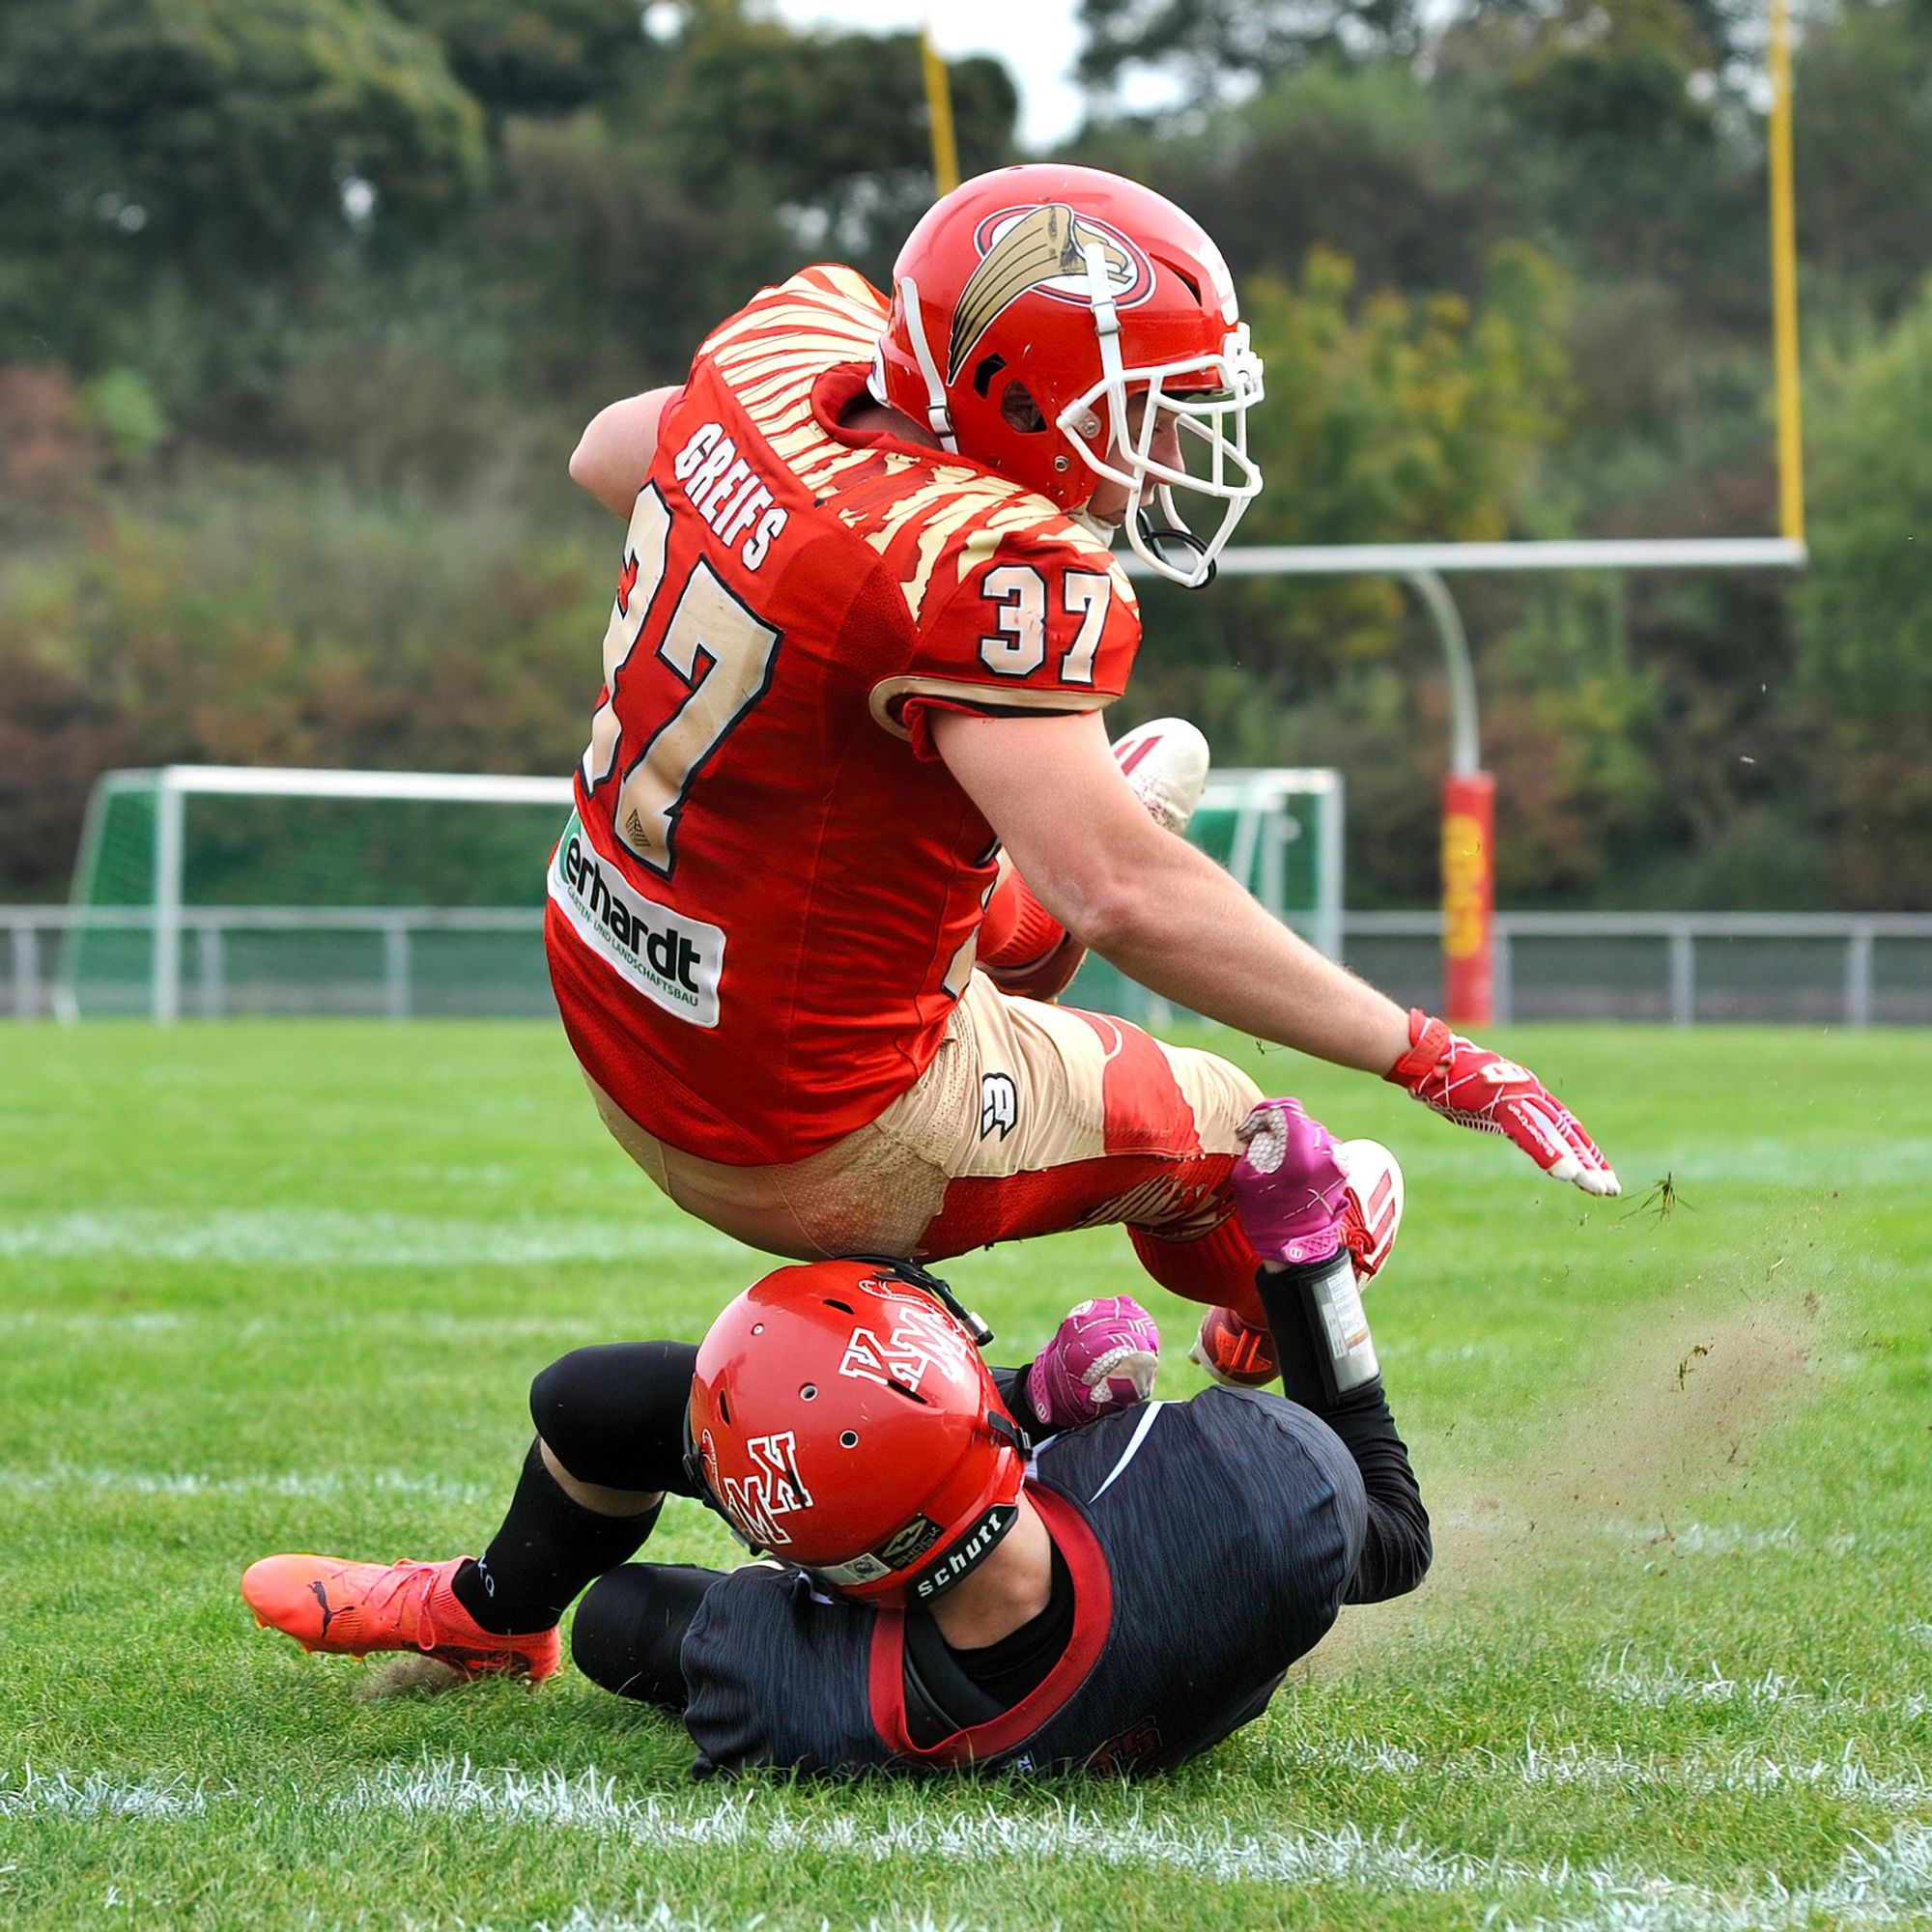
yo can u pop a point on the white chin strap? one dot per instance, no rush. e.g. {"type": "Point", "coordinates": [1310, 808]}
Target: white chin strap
{"type": "Point", "coordinates": [938, 417]}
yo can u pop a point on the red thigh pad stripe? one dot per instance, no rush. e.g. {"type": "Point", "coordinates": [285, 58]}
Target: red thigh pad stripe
{"type": "Point", "coordinates": [1143, 1107]}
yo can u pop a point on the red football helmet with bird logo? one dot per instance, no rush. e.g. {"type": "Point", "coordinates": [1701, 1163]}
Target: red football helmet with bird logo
{"type": "Point", "coordinates": [842, 1419]}
{"type": "Point", "coordinates": [1036, 306]}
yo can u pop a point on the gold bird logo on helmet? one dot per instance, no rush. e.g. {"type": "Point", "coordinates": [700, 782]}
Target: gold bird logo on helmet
{"type": "Point", "coordinates": [1045, 249]}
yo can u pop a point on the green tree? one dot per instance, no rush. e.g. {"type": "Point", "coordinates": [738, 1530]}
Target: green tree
{"type": "Point", "coordinates": [1364, 158]}
{"type": "Point", "coordinates": [529, 56]}
{"type": "Point", "coordinates": [1865, 605]}
{"type": "Point", "coordinates": [1388, 420]}
{"type": "Point", "coordinates": [210, 142]}
{"type": "Point", "coordinates": [1863, 130]}
{"type": "Point", "coordinates": [827, 131]}
{"type": "Point", "coordinates": [1208, 46]}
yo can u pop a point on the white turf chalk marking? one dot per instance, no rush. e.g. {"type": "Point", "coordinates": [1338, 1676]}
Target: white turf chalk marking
{"type": "Point", "coordinates": [1655, 1686]}
{"type": "Point", "coordinates": [1874, 1884]}
{"type": "Point", "coordinates": [1700, 1774]}
{"type": "Point", "coordinates": [662, 1918]}
{"type": "Point", "coordinates": [307, 1323]}
{"type": "Point", "coordinates": [98, 1796]}
{"type": "Point", "coordinates": [589, 1802]}
{"type": "Point", "coordinates": [333, 1238]}
{"type": "Point", "coordinates": [61, 1478]}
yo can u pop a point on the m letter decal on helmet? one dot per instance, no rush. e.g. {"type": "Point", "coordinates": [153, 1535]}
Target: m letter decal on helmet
{"type": "Point", "coordinates": [774, 1489]}
{"type": "Point", "coordinates": [918, 1339]}
{"type": "Point", "coordinates": [1043, 248]}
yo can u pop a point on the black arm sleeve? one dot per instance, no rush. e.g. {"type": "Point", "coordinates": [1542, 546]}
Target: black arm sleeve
{"type": "Point", "coordinates": [1395, 1551]}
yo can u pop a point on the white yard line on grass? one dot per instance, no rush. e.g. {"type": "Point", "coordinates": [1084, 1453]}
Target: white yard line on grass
{"type": "Point", "coordinates": [1700, 1774]}
{"type": "Point", "coordinates": [589, 1803]}
{"type": "Point", "coordinates": [1874, 1884]}
{"type": "Point", "coordinates": [1659, 1683]}
{"type": "Point", "coordinates": [336, 1237]}
{"type": "Point", "coordinates": [664, 1918]}
{"type": "Point", "coordinates": [62, 1478]}
{"type": "Point", "coordinates": [98, 1796]}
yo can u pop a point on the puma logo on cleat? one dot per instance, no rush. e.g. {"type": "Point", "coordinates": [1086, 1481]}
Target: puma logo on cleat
{"type": "Point", "coordinates": [329, 1616]}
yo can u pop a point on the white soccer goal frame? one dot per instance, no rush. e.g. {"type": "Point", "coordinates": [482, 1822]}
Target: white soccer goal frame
{"type": "Point", "coordinates": [174, 785]}
{"type": "Point", "coordinates": [1253, 795]}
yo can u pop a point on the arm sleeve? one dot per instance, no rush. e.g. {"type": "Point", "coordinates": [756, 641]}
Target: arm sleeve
{"type": "Point", "coordinates": [1044, 622]}
{"type": "Point", "coordinates": [1396, 1551]}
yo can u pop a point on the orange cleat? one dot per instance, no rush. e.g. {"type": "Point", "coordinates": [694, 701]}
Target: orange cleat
{"type": "Point", "coordinates": [1242, 1355]}
{"type": "Point", "coordinates": [1237, 1353]}
{"type": "Point", "coordinates": [352, 1608]}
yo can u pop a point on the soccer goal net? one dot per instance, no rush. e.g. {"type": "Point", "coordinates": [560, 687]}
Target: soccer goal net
{"type": "Point", "coordinates": [211, 890]}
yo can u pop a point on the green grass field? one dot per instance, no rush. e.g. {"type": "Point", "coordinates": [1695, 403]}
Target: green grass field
{"type": "Point", "coordinates": [273, 1286]}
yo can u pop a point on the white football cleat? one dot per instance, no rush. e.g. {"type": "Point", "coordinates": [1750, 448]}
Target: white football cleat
{"type": "Point", "coordinates": [1373, 1215]}
{"type": "Point", "coordinates": [1165, 762]}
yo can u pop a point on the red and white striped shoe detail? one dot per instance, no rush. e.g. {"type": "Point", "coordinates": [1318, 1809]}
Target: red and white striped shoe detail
{"type": "Point", "coordinates": [1371, 1212]}
{"type": "Point", "coordinates": [1165, 762]}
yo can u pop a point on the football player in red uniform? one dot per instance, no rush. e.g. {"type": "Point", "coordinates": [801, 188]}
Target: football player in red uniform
{"type": "Point", "coordinates": [849, 746]}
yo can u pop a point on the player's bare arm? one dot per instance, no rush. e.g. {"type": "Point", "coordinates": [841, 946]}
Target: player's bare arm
{"type": "Point", "coordinates": [1165, 914]}
{"type": "Point", "coordinates": [616, 449]}
{"type": "Point", "coordinates": [1147, 900]}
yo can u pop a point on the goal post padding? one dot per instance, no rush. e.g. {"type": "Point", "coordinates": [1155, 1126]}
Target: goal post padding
{"type": "Point", "coordinates": [231, 890]}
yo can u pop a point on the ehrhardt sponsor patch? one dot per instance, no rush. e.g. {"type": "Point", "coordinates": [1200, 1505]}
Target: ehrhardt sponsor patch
{"type": "Point", "coordinates": [673, 960]}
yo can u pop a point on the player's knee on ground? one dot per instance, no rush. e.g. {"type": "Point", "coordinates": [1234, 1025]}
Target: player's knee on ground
{"type": "Point", "coordinates": [613, 1414]}
{"type": "Point", "coordinates": [627, 1636]}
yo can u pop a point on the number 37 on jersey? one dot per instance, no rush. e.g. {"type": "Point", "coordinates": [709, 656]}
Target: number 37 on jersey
{"type": "Point", "coordinates": [721, 654]}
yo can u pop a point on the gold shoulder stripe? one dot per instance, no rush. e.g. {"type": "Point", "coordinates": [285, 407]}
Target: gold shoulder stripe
{"type": "Point", "coordinates": [849, 283]}
{"type": "Point", "coordinates": [890, 692]}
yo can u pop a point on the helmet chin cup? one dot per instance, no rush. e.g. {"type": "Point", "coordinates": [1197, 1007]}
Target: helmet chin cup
{"type": "Point", "coordinates": [1153, 541]}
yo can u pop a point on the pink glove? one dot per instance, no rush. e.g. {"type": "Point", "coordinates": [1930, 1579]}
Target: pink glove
{"type": "Point", "coordinates": [1475, 1087]}
{"type": "Point", "coordinates": [1290, 1191]}
{"type": "Point", "coordinates": [1102, 1357]}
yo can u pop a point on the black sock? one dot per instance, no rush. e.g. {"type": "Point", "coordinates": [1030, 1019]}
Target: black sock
{"type": "Point", "coordinates": [548, 1549]}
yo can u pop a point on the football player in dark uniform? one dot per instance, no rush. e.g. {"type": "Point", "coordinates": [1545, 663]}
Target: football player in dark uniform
{"type": "Point", "coordinates": [953, 1577]}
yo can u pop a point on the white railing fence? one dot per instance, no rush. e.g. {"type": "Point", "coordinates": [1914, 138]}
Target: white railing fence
{"type": "Point", "coordinates": [1842, 969]}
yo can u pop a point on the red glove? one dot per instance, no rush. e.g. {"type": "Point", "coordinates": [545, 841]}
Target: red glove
{"type": "Point", "coordinates": [1475, 1087]}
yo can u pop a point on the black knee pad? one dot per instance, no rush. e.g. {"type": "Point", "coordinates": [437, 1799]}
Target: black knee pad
{"type": "Point", "coordinates": [613, 1413]}
{"type": "Point", "coordinates": [627, 1636]}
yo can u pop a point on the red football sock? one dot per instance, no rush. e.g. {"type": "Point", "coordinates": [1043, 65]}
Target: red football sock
{"type": "Point", "coordinates": [1024, 950]}
{"type": "Point", "coordinates": [1016, 930]}
{"type": "Point", "coordinates": [1217, 1267]}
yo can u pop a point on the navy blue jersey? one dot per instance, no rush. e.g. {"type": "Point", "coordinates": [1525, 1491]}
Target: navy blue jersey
{"type": "Point", "coordinates": [1210, 1543]}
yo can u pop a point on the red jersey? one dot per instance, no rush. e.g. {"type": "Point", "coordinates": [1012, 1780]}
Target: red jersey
{"type": "Point", "coordinates": [767, 901]}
